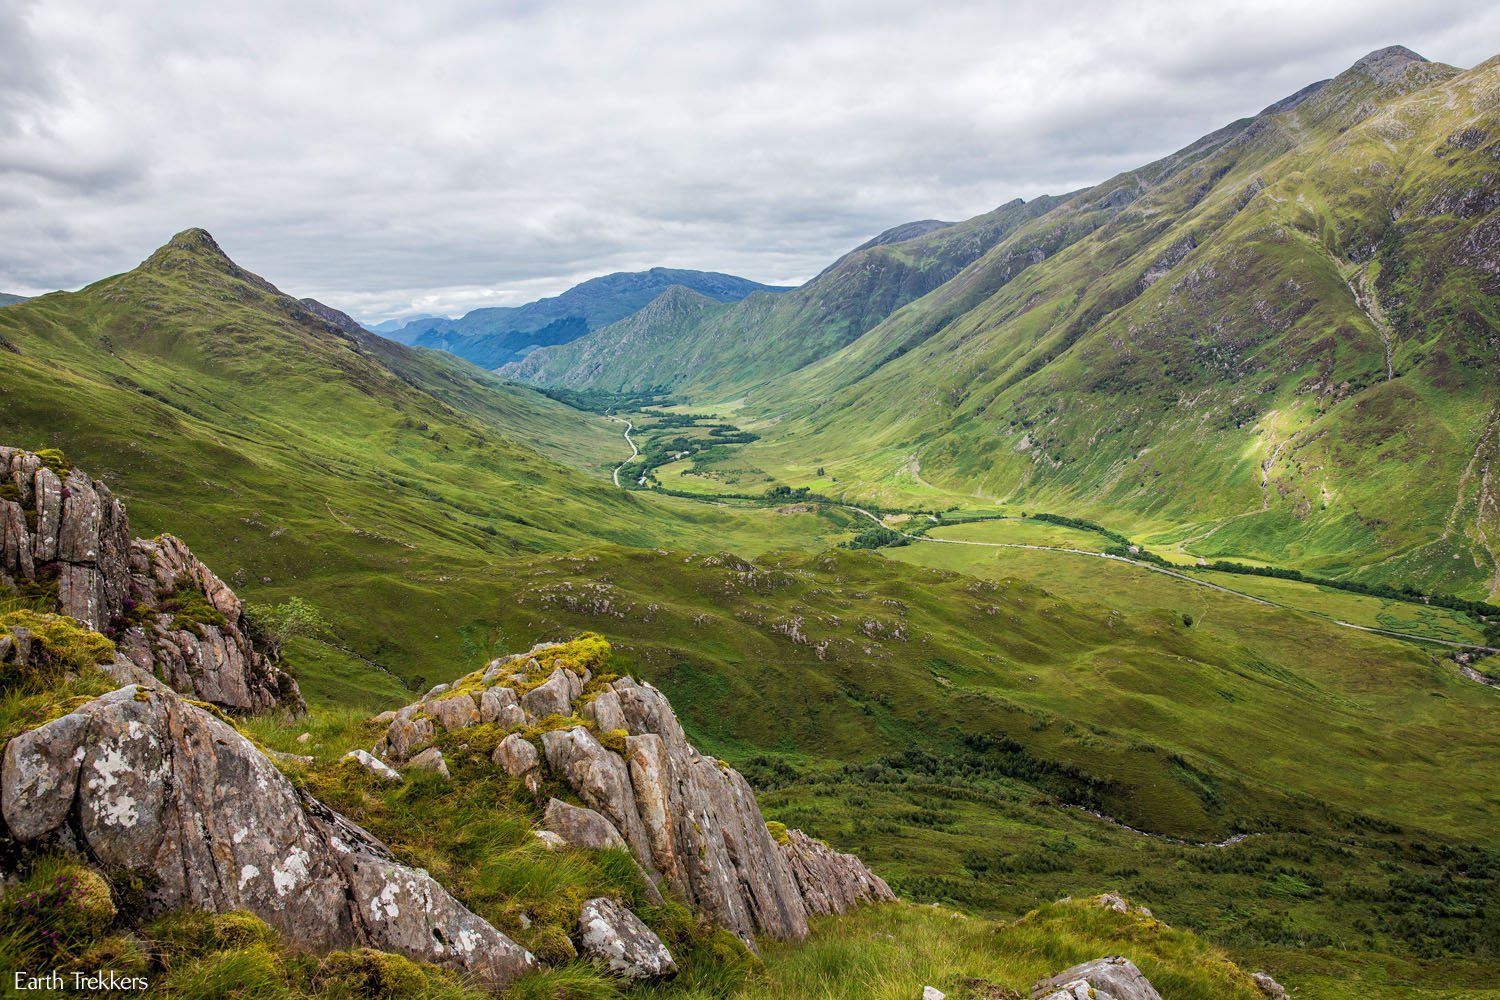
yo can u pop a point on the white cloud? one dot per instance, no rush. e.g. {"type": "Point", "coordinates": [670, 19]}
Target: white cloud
{"type": "Point", "coordinates": [393, 158]}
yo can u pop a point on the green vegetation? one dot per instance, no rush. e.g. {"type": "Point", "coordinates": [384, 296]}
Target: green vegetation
{"type": "Point", "coordinates": [307, 459]}
{"type": "Point", "coordinates": [64, 648]}
{"type": "Point", "coordinates": [273, 626]}
{"type": "Point", "coordinates": [1174, 708]}
{"type": "Point", "coordinates": [1183, 360]}
{"type": "Point", "coordinates": [878, 537]}
{"type": "Point", "coordinates": [1239, 350]}
{"type": "Point", "coordinates": [63, 916]}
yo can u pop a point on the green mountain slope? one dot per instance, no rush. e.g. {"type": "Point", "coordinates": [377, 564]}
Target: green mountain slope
{"type": "Point", "coordinates": [766, 336]}
{"type": "Point", "coordinates": [1278, 343]}
{"type": "Point", "coordinates": [939, 724]}
{"type": "Point", "coordinates": [305, 456]}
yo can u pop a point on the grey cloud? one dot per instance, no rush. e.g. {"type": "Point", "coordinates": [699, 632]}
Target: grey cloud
{"type": "Point", "coordinates": [399, 157]}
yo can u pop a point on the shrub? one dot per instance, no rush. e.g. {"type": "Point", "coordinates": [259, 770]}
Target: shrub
{"type": "Point", "coordinates": [56, 911]}
{"type": "Point", "coordinates": [379, 975]}
{"type": "Point", "coordinates": [274, 625]}
{"type": "Point", "coordinates": [190, 934]}
{"type": "Point", "coordinates": [66, 647]}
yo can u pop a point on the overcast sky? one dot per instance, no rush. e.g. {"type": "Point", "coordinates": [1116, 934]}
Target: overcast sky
{"type": "Point", "coordinates": [442, 155]}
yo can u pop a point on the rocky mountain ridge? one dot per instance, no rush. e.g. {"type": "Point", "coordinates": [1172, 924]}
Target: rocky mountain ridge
{"type": "Point", "coordinates": [66, 537]}
{"type": "Point", "coordinates": [691, 822]}
{"type": "Point", "coordinates": [764, 336]}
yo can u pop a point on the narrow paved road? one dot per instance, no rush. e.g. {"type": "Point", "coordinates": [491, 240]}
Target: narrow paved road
{"type": "Point", "coordinates": [1152, 567]}
{"type": "Point", "coordinates": [634, 451]}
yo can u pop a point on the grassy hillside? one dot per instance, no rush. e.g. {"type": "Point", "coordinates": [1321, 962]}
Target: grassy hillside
{"type": "Point", "coordinates": [764, 336]}
{"type": "Point", "coordinates": [1279, 343]}
{"type": "Point", "coordinates": [941, 725]}
{"type": "Point", "coordinates": [302, 456]}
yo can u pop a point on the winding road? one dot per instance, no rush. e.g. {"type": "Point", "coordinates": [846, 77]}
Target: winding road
{"type": "Point", "coordinates": [1151, 567]}
{"type": "Point", "coordinates": [634, 451]}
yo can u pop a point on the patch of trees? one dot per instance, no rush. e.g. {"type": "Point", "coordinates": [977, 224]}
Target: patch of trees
{"type": "Point", "coordinates": [877, 537]}
{"type": "Point", "coordinates": [982, 757]}
{"type": "Point", "coordinates": [601, 401]}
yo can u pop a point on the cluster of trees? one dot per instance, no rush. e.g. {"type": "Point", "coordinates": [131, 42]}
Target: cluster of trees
{"type": "Point", "coordinates": [601, 401]}
{"type": "Point", "coordinates": [877, 537]}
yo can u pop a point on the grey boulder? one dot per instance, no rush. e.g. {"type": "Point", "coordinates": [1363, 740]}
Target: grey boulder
{"type": "Point", "coordinates": [1112, 978]}
{"type": "Point", "coordinates": [1270, 987]}
{"type": "Point", "coordinates": [432, 760]}
{"type": "Point", "coordinates": [612, 936]}
{"type": "Point", "coordinates": [581, 828]}
{"type": "Point", "coordinates": [373, 764]}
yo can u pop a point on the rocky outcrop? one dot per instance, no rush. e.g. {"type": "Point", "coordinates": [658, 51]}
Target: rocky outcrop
{"type": "Point", "coordinates": [690, 821]}
{"type": "Point", "coordinates": [1112, 978]}
{"type": "Point", "coordinates": [615, 938]}
{"type": "Point", "coordinates": [189, 626]}
{"type": "Point", "coordinates": [167, 612]}
{"type": "Point", "coordinates": [66, 531]}
{"type": "Point", "coordinates": [141, 779]}
{"type": "Point", "coordinates": [831, 882]}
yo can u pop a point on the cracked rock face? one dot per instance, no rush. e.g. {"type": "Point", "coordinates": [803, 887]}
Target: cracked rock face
{"type": "Point", "coordinates": [831, 882]}
{"type": "Point", "coordinates": [615, 938]}
{"type": "Point", "coordinates": [76, 532]}
{"type": "Point", "coordinates": [1112, 978]}
{"type": "Point", "coordinates": [139, 778]}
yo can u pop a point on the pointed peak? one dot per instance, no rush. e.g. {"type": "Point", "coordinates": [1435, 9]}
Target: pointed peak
{"type": "Point", "coordinates": [196, 249]}
{"type": "Point", "coordinates": [196, 240]}
{"type": "Point", "coordinates": [189, 246]}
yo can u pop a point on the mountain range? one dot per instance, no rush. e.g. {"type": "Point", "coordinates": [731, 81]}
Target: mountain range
{"type": "Point", "coordinates": [494, 336]}
{"type": "Point", "coordinates": [434, 684]}
{"type": "Point", "coordinates": [1291, 320]}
